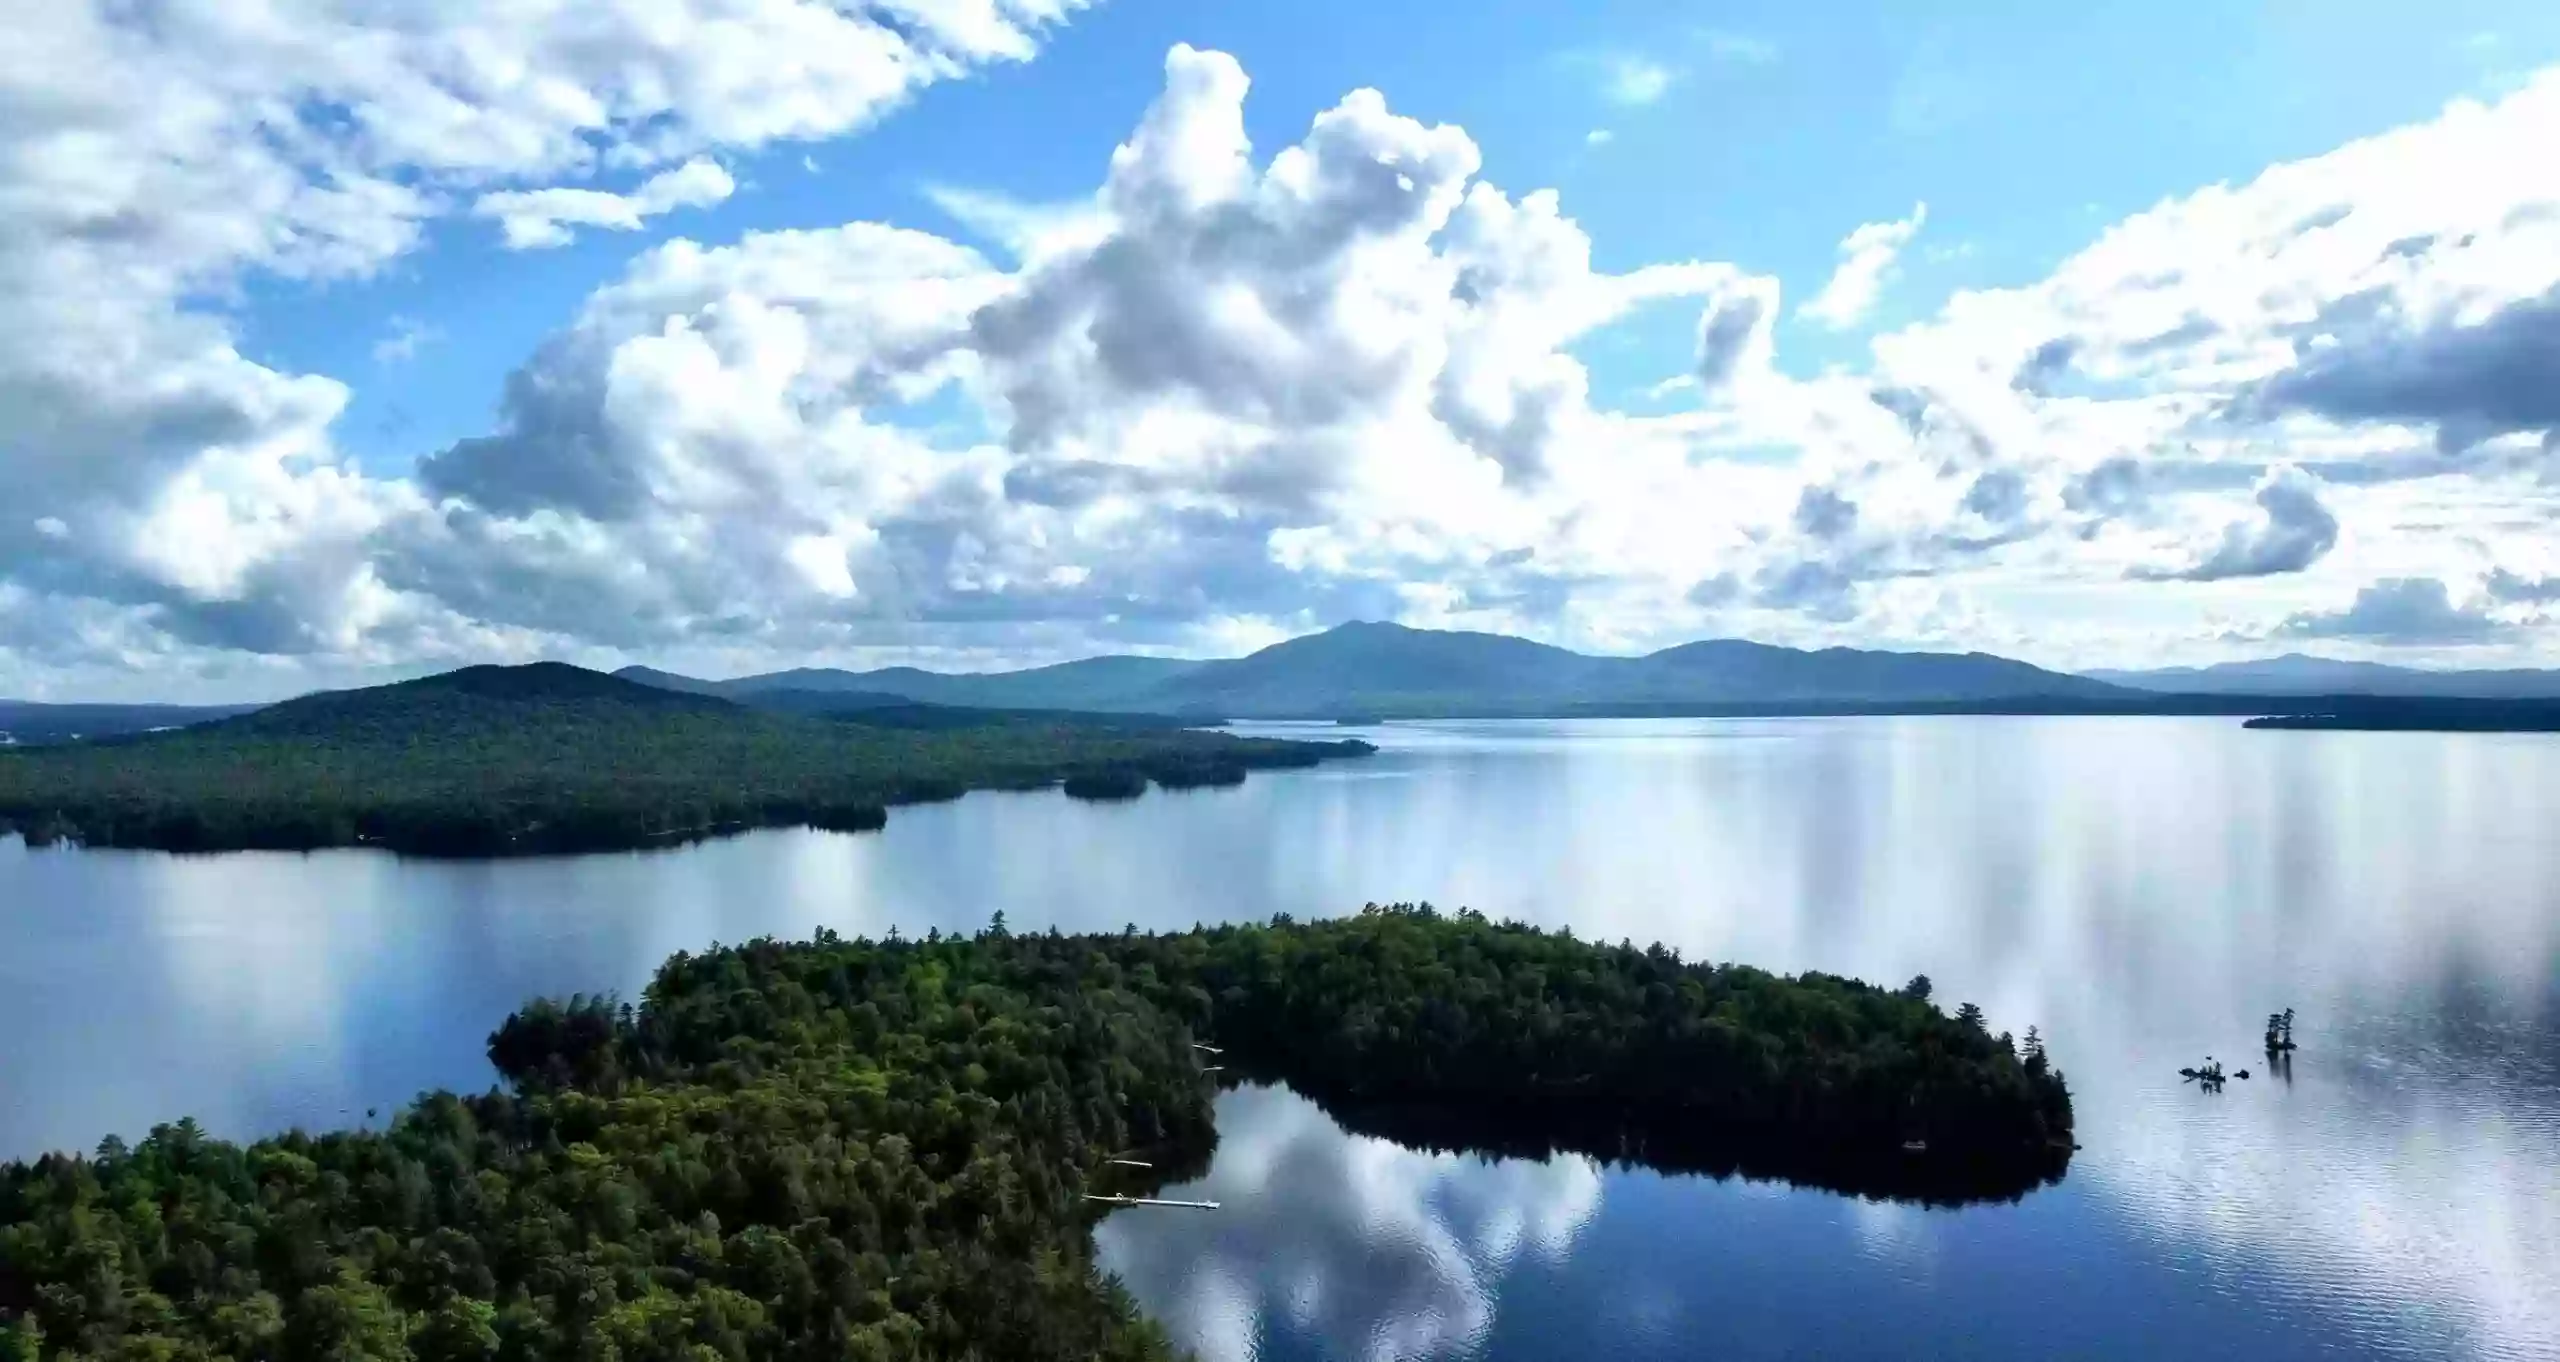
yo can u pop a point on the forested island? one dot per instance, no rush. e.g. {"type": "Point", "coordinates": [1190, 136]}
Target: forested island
{"type": "Point", "coordinates": [880, 1149]}
{"type": "Point", "coordinates": [2421, 714]}
{"type": "Point", "coordinates": [550, 758]}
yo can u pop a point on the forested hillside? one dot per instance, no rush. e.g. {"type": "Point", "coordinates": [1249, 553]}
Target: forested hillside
{"type": "Point", "coordinates": [502, 760]}
{"type": "Point", "coordinates": [846, 1149]}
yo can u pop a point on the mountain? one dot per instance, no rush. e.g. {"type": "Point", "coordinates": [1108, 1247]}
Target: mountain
{"type": "Point", "coordinates": [1093, 683]}
{"type": "Point", "coordinates": [2302, 674]}
{"type": "Point", "coordinates": [24, 721]}
{"type": "Point", "coordinates": [1391, 670]}
{"type": "Point", "coordinates": [880, 709]}
{"type": "Point", "coordinates": [1738, 672]}
{"type": "Point", "coordinates": [472, 702]}
{"type": "Point", "coordinates": [651, 676]}
{"type": "Point", "coordinates": [550, 757]}
{"type": "Point", "coordinates": [1384, 669]}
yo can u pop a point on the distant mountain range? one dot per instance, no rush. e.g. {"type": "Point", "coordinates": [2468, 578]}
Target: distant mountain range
{"type": "Point", "coordinates": [24, 721]}
{"type": "Point", "coordinates": [1389, 670]}
{"type": "Point", "coordinates": [2300, 674]}
{"type": "Point", "coordinates": [1367, 670]}
{"type": "Point", "coordinates": [1094, 683]}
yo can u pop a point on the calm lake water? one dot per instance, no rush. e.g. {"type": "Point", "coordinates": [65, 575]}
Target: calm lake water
{"type": "Point", "coordinates": [2144, 890]}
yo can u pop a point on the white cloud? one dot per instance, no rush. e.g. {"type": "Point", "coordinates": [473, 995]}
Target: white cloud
{"type": "Point", "coordinates": [1867, 259]}
{"type": "Point", "coordinates": [1633, 80]}
{"type": "Point", "coordinates": [403, 341]}
{"type": "Point", "coordinates": [1029, 232]}
{"type": "Point", "coordinates": [535, 218]}
{"type": "Point", "coordinates": [1598, 137]}
{"type": "Point", "coordinates": [1372, 1250]}
{"type": "Point", "coordinates": [2409, 610]}
{"type": "Point", "coordinates": [158, 158]}
{"type": "Point", "coordinates": [1224, 397]}
{"type": "Point", "coordinates": [2292, 532]}
{"type": "Point", "coordinates": [1190, 383]}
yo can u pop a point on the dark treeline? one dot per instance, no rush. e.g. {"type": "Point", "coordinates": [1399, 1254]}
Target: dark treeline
{"type": "Point", "coordinates": [2421, 714]}
{"type": "Point", "coordinates": [547, 758]}
{"type": "Point", "coordinates": [846, 1149]}
{"type": "Point", "coordinates": [1615, 1050]}
{"type": "Point", "coordinates": [893, 711]}
{"type": "Point", "coordinates": [25, 722]}
{"type": "Point", "coordinates": [2257, 711]}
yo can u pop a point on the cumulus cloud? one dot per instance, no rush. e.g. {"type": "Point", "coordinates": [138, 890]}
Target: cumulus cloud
{"type": "Point", "coordinates": [2470, 378]}
{"type": "Point", "coordinates": [1867, 259]}
{"type": "Point", "coordinates": [2504, 585]}
{"type": "Point", "coordinates": [1825, 514]}
{"type": "Point", "coordinates": [159, 156]}
{"type": "Point", "coordinates": [2401, 610]}
{"type": "Point", "coordinates": [2293, 531]}
{"type": "Point", "coordinates": [530, 219]}
{"type": "Point", "coordinates": [1823, 590]}
{"type": "Point", "coordinates": [1232, 393]}
{"type": "Point", "coordinates": [1737, 348]}
{"type": "Point", "coordinates": [1186, 405]}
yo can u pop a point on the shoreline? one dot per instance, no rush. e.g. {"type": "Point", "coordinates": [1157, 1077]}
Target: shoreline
{"type": "Point", "coordinates": [921, 1122]}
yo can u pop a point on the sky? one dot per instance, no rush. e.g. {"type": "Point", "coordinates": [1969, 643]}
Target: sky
{"type": "Point", "coordinates": [357, 339]}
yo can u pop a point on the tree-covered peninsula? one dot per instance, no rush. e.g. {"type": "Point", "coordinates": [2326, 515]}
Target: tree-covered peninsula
{"type": "Point", "coordinates": [544, 758]}
{"type": "Point", "coordinates": [857, 1149]}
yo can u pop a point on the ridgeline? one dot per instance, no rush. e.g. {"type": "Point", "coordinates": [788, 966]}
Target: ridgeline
{"type": "Point", "coordinates": [491, 761]}
{"type": "Point", "coordinates": [846, 1149]}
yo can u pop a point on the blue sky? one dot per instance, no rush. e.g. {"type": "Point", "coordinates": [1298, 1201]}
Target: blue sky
{"type": "Point", "coordinates": [240, 407]}
{"type": "Point", "coordinates": [2025, 126]}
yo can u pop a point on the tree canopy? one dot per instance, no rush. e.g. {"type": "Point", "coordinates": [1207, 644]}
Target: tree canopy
{"type": "Point", "coordinates": [879, 1149]}
{"type": "Point", "coordinates": [506, 760]}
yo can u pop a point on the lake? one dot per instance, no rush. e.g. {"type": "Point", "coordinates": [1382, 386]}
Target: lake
{"type": "Point", "coordinates": [2144, 891]}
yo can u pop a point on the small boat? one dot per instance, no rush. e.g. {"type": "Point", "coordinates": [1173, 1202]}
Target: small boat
{"type": "Point", "coordinates": [1915, 1146]}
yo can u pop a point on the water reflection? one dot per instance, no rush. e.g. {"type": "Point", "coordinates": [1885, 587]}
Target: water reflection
{"type": "Point", "coordinates": [1353, 1245]}
{"type": "Point", "coordinates": [1340, 1246]}
{"type": "Point", "coordinates": [2144, 890]}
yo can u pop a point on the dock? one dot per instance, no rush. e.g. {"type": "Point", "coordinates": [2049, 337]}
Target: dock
{"type": "Point", "coordinates": [1152, 1201]}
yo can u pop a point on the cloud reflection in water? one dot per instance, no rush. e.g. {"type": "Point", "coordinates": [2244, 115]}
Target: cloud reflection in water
{"type": "Point", "coordinates": [1370, 1251]}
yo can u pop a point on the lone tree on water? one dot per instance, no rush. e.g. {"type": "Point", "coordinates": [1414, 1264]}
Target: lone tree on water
{"type": "Point", "coordinates": [2279, 1031]}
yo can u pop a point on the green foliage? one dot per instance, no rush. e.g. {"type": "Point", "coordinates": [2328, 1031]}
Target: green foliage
{"type": "Point", "coordinates": [496, 760]}
{"type": "Point", "coordinates": [1608, 1048]}
{"type": "Point", "coordinates": [848, 1149]}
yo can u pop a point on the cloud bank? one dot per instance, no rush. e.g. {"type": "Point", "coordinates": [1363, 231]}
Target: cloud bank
{"type": "Point", "coordinates": [1230, 396]}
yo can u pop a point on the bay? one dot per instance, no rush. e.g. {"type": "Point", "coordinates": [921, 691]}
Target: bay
{"type": "Point", "coordinates": [2144, 891]}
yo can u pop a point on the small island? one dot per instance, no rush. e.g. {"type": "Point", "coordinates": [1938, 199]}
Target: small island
{"type": "Point", "coordinates": [495, 761]}
{"type": "Point", "coordinates": [886, 1149]}
{"type": "Point", "coordinates": [2416, 714]}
